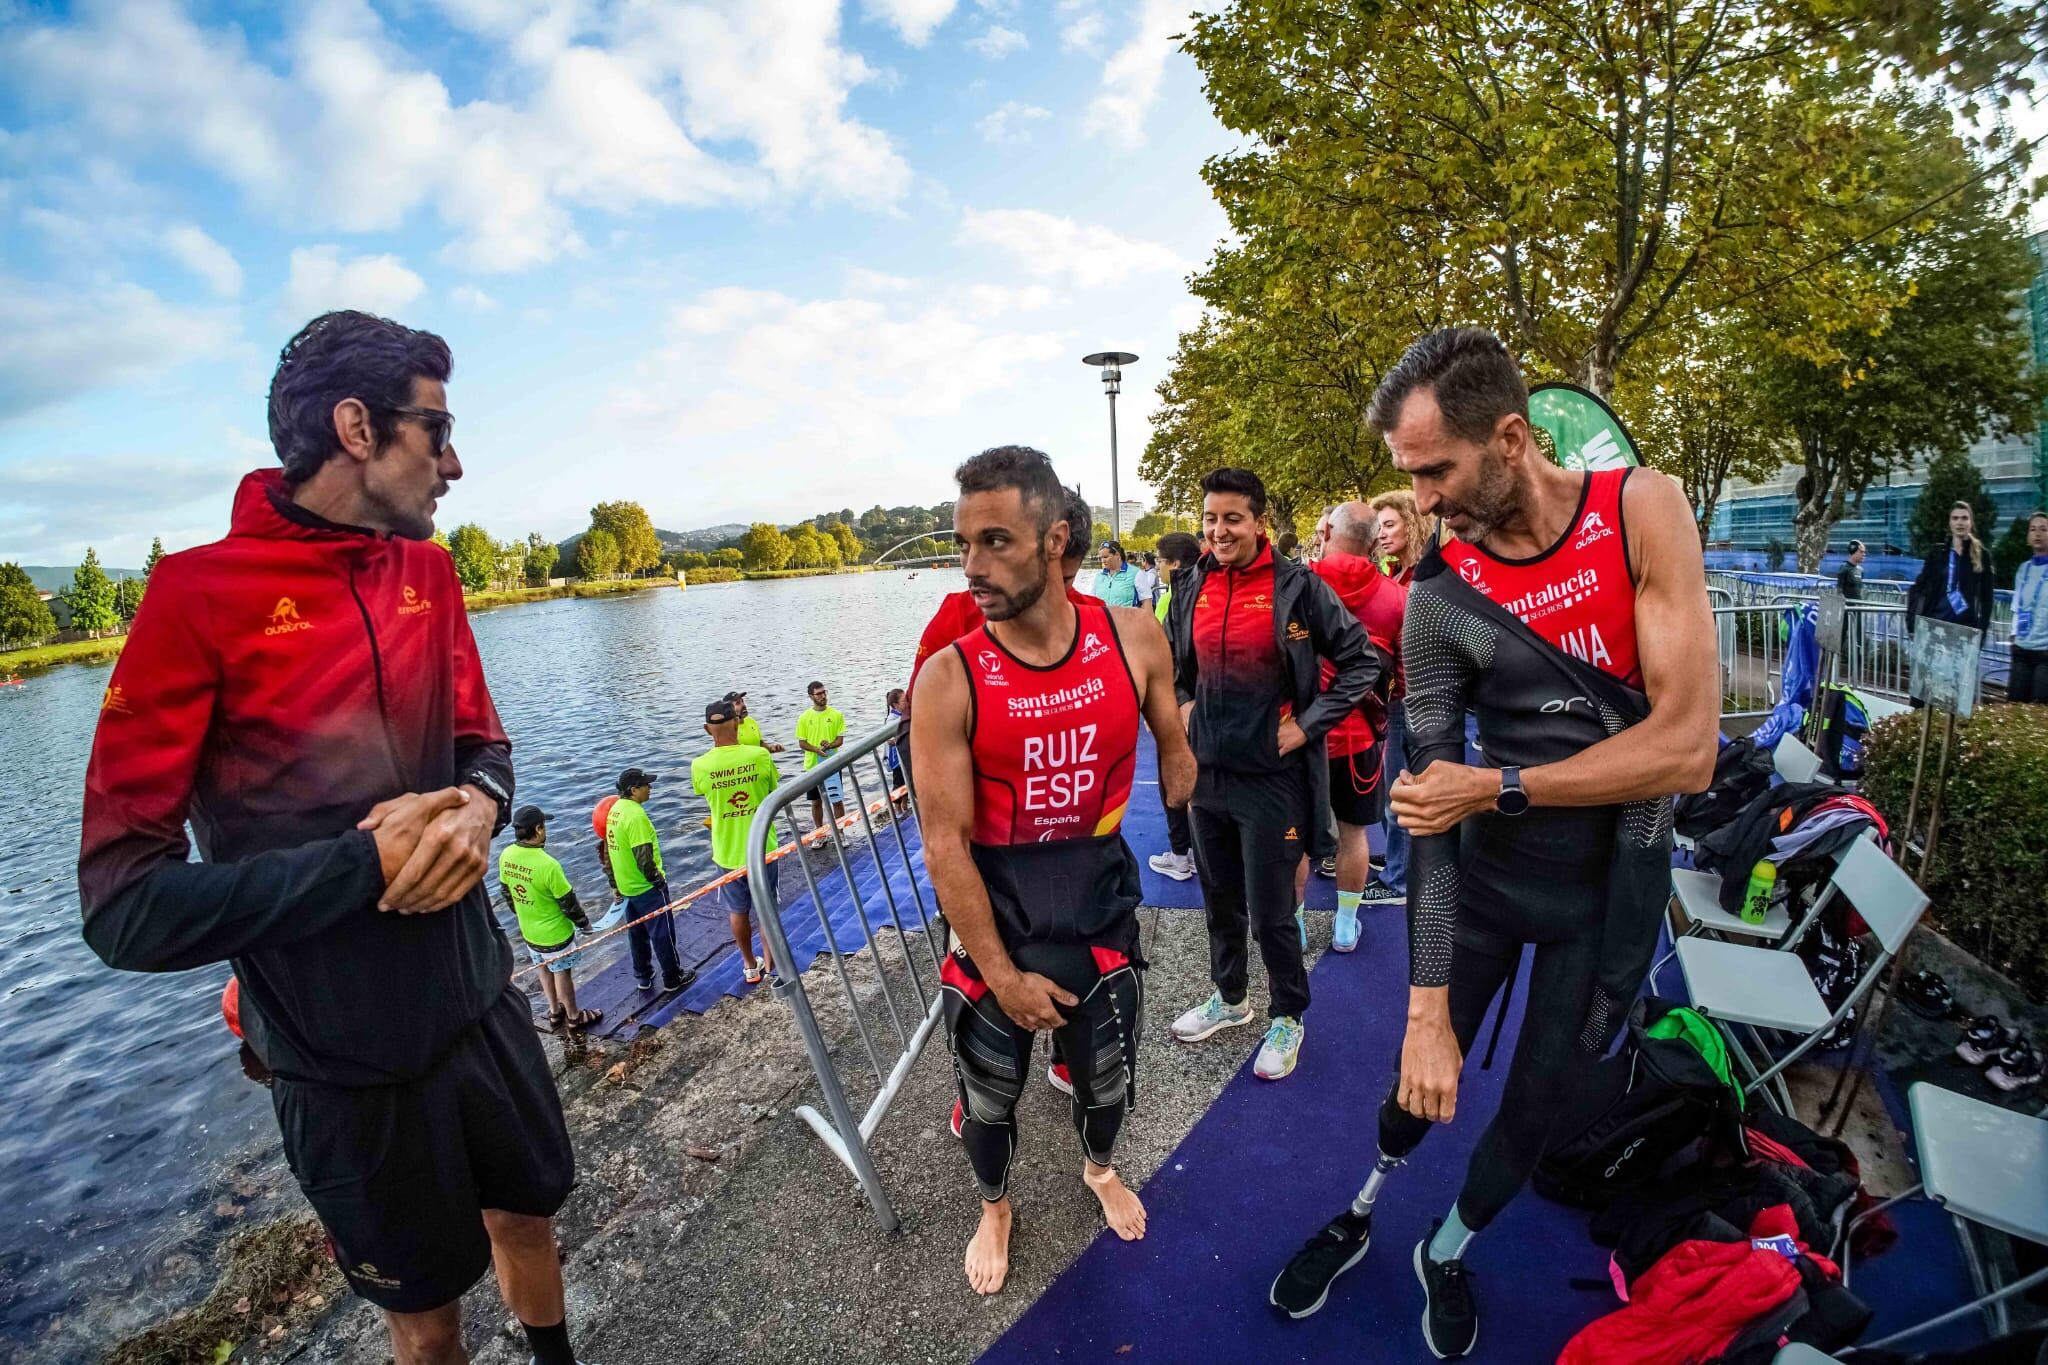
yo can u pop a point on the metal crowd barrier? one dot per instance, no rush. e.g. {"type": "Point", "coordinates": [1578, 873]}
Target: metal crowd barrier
{"type": "Point", "coordinates": [1885, 668]}
{"type": "Point", "coordinates": [1752, 643]}
{"type": "Point", "coordinates": [902, 1029]}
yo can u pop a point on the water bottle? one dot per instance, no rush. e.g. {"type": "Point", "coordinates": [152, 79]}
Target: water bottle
{"type": "Point", "coordinates": [1763, 884]}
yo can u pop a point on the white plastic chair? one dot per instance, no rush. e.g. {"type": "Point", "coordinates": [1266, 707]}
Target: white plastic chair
{"type": "Point", "coordinates": [1799, 1353]}
{"type": "Point", "coordinates": [1794, 761]}
{"type": "Point", "coordinates": [1985, 1165]}
{"type": "Point", "coordinates": [1735, 984]}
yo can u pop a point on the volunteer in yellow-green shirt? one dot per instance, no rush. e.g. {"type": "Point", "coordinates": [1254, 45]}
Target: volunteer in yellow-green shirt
{"type": "Point", "coordinates": [735, 778]}
{"type": "Point", "coordinates": [538, 893]}
{"type": "Point", "coordinates": [633, 862]}
{"type": "Point", "coordinates": [750, 729]}
{"type": "Point", "coordinates": [819, 732]}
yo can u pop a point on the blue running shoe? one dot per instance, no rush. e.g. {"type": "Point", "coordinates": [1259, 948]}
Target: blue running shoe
{"type": "Point", "coordinates": [1344, 932]}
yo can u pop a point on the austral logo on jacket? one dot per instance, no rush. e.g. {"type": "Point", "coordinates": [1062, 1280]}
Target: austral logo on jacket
{"type": "Point", "coordinates": [414, 603]}
{"type": "Point", "coordinates": [1296, 631]}
{"type": "Point", "coordinates": [284, 618]}
{"type": "Point", "coordinates": [112, 700]}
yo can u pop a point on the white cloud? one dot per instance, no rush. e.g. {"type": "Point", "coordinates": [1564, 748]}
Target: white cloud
{"type": "Point", "coordinates": [1081, 25]}
{"type": "Point", "coordinates": [322, 280]}
{"type": "Point", "coordinates": [996, 42]}
{"type": "Point", "coordinates": [204, 257]}
{"type": "Point", "coordinates": [470, 297]}
{"type": "Point", "coordinates": [115, 503]}
{"type": "Point", "coordinates": [1010, 122]}
{"type": "Point", "coordinates": [58, 342]}
{"type": "Point", "coordinates": [341, 127]}
{"type": "Point", "coordinates": [914, 20]}
{"type": "Point", "coordinates": [1130, 78]}
{"type": "Point", "coordinates": [1054, 248]}
{"type": "Point", "coordinates": [861, 280]}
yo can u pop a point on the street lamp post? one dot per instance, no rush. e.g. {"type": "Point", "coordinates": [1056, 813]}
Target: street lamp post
{"type": "Point", "coordinates": [1112, 363]}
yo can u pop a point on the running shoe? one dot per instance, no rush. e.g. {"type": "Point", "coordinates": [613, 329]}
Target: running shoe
{"type": "Point", "coordinates": [2018, 1066]}
{"type": "Point", "coordinates": [1179, 866]}
{"type": "Point", "coordinates": [1450, 1318]}
{"type": "Point", "coordinates": [1984, 1037]}
{"type": "Point", "coordinates": [1278, 1053]}
{"type": "Point", "coordinates": [753, 973]}
{"type": "Point", "coordinates": [1378, 892]}
{"type": "Point", "coordinates": [1328, 867]}
{"type": "Point", "coordinates": [1927, 995]}
{"type": "Point", "coordinates": [1378, 862]}
{"type": "Point", "coordinates": [1304, 1286]}
{"type": "Point", "coordinates": [1344, 930]}
{"type": "Point", "coordinates": [679, 983]}
{"type": "Point", "coordinates": [1059, 1078]}
{"type": "Point", "coordinates": [959, 1117]}
{"type": "Point", "coordinates": [1209, 1016]}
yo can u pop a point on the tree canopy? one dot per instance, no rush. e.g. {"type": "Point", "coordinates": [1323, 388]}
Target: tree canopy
{"type": "Point", "coordinates": [24, 617]}
{"type": "Point", "coordinates": [94, 603]}
{"type": "Point", "coordinates": [597, 555]}
{"type": "Point", "coordinates": [541, 555]}
{"type": "Point", "coordinates": [632, 530]}
{"type": "Point", "coordinates": [475, 555]}
{"type": "Point", "coordinates": [765, 547]}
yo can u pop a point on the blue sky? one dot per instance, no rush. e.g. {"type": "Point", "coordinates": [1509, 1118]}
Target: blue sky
{"type": "Point", "coordinates": [736, 259]}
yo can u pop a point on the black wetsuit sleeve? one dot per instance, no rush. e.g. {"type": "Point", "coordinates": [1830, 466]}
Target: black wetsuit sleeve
{"type": "Point", "coordinates": [1442, 650]}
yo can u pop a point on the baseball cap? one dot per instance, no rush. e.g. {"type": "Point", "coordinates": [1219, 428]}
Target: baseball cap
{"type": "Point", "coordinates": [735, 696]}
{"type": "Point", "coordinates": [635, 777]}
{"type": "Point", "coordinates": [720, 711]}
{"type": "Point", "coordinates": [528, 817]}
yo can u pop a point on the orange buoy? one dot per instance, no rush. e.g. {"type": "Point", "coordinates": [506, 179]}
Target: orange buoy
{"type": "Point", "coordinates": [231, 1005]}
{"type": "Point", "coordinates": [602, 814]}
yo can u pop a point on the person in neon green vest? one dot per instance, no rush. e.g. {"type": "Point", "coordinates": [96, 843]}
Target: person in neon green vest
{"type": "Point", "coordinates": [750, 729]}
{"type": "Point", "coordinates": [820, 731]}
{"type": "Point", "coordinates": [735, 778]}
{"type": "Point", "coordinates": [538, 894]}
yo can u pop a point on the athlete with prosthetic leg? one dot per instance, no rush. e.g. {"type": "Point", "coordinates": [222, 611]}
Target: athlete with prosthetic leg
{"type": "Point", "coordinates": [1570, 616]}
{"type": "Point", "coordinates": [1024, 741]}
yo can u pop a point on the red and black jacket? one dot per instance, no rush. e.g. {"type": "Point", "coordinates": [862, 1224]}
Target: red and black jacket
{"type": "Point", "coordinates": [278, 684]}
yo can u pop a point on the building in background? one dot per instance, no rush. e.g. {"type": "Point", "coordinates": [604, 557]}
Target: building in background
{"type": "Point", "coordinates": [2015, 468]}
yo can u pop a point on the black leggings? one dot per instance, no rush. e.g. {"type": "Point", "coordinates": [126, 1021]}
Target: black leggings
{"type": "Point", "coordinates": [992, 1055]}
{"type": "Point", "coordinates": [1559, 911]}
{"type": "Point", "coordinates": [1249, 833]}
{"type": "Point", "coordinates": [2028, 680]}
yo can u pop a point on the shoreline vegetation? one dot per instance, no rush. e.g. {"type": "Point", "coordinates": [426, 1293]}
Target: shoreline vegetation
{"type": "Point", "coordinates": [37, 657]}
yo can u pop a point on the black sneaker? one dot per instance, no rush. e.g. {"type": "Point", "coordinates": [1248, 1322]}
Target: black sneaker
{"type": "Point", "coordinates": [680, 983]}
{"type": "Point", "coordinates": [1927, 995]}
{"type": "Point", "coordinates": [1378, 892]}
{"type": "Point", "coordinates": [1328, 866]}
{"type": "Point", "coordinates": [1450, 1319]}
{"type": "Point", "coordinates": [1378, 862]}
{"type": "Point", "coordinates": [2017, 1067]}
{"type": "Point", "coordinates": [1304, 1286]}
{"type": "Point", "coordinates": [1984, 1037]}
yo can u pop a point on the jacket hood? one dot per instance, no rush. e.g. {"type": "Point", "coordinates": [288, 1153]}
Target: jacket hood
{"type": "Point", "coordinates": [1354, 577]}
{"type": "Point", "coordinates": [264, 509]}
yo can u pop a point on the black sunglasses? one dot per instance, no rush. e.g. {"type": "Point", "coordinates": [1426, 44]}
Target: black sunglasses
{"type": "Point", "coordinates": [440, 425]}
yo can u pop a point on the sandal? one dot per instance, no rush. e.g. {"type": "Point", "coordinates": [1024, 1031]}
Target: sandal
{"type": "Point", "coordinates": [585, 1019]}
{"type": "Point", "coordinates": [556, 1018]}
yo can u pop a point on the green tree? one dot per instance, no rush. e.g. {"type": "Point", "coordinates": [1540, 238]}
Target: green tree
{"type": "Point", "coordinates": [1951, 478]}
{"type": "Point", "coordinates": [875, 519]}
{"type": "Point", "coordinates": [811, 548]}
{"type": "Point", "coordinates": [24, 617]}
{"type": "Point", "coordinates": [1946, 365]}
{"type": "Point", "coordinates": [725, 559]}
{"type": "Point", "coordinates": [849, 544]}
{"type": "Point", "coordinates": [2012, 550]}
{"type": "Point", "coordinates": [1579, 179]}
{"type": "Point", "coordinates": [633, 532]}
{"type": "Point", "coordinates": [475, 554]}
{"type": "Point", "coordinates": [764, 547]}
{"type": "Point", "coordinates": [1703, 421]}
{"type": "Point", "coordinates": [92, 597]}
{"type": "Point", "coordinates": [156, 553]}
{"type": "Point", "coordinates": [541, 557]}
{"type": "Point", "coordinates": [597, 555]}
{"type": "Point", "coordinates": [128, 598]}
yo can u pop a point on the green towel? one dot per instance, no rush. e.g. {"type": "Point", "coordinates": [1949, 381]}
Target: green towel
{"type": "Point", "coordinates": [1696, 1030]}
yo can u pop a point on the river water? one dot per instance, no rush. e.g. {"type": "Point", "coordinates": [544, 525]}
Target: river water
{"type": "Point", "coordinates": [126, 1101]}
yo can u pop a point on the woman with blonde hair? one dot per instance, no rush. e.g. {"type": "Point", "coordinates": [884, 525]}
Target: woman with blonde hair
{"type": "Point", "coordinates": [1956, 580]}
{"type": "Point", "coordinates": [1405, 534]}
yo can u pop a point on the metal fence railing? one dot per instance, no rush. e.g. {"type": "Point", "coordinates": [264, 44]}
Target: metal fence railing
{"type": "Point", "coordinates": [1752, 640]}
{"type": "Point", "coordinates": [895, 1007]}
{"type": "Point", "coordinates": [1873, 656]}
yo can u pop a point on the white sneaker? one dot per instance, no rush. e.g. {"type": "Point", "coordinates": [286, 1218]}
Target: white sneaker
{"type": "Point", "coordinates": [1209, 1016]}
{"type": "Point", "coordinates": [1179, 866]}
{"type": "Point", "coordinates": [1278, 1053]}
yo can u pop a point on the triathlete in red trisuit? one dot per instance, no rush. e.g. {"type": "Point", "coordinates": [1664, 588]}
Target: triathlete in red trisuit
{"type": "Point", "coordinates": [1024, 743]}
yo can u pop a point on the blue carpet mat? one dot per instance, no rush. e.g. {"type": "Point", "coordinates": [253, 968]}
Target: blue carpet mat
{"type": "Point", "coordinates": [1270, 1163]}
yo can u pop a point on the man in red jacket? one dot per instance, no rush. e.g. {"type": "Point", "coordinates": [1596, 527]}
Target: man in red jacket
{"type": "Point", "coordinates": [307, 694]}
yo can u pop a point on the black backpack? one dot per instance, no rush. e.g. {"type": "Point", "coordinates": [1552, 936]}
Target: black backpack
{"type": "Point", "coordinates": [1636, 1109]}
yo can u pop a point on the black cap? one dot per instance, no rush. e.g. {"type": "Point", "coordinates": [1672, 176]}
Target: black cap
{"type": "Point", "coordinates": [528, 818]}
{"type": "Point", "coordinates": [735, 696]}
{"type": "Point", "coordinates": [720, 711]}
{"type": "Point", "coordinates": [635, 777]}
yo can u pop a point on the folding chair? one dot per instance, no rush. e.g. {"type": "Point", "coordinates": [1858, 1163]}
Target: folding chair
{"type": "Point", "coordinates": [1799, 1353]}
{"type": "Point", "coordinates": [1760, 988]}
{"type": "Point", "coordinates": [1794, 761]}
{"type": "Point", "coordinates": [1984, 1165]}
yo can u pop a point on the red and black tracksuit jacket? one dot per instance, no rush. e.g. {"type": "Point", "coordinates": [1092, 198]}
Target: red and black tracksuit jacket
{"type": "Point", "coordinates": [278, 684]}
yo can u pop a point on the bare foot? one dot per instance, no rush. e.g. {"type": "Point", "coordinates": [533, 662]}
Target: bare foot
{"type": "Point", "coordinates": [988, 1253]}
{"type": "Point", "coordinates": [1120, 1208]}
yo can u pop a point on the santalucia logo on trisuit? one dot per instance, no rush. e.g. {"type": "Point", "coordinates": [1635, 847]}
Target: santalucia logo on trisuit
{"type": "Point", "coordinates": [1555, 596]}
{"type": "Point", "coordinates": [1060, 699]}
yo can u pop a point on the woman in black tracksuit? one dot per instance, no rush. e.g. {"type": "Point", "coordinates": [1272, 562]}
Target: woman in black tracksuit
{"type": "Point", "coordinates": [1956, 581]}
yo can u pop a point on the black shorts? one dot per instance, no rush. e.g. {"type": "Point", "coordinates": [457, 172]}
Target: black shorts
{"type": "Point", "coordinates": [1350, 804]}
{"type": "Point", "coordinates": [400, 1174]}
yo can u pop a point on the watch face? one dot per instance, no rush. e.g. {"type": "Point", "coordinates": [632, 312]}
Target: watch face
{"type": "Point", "coordinates": [1512, 799]}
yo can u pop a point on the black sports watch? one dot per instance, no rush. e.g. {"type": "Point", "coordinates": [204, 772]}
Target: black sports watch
{"type": "Point", "coordinates": [1512, 799]}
